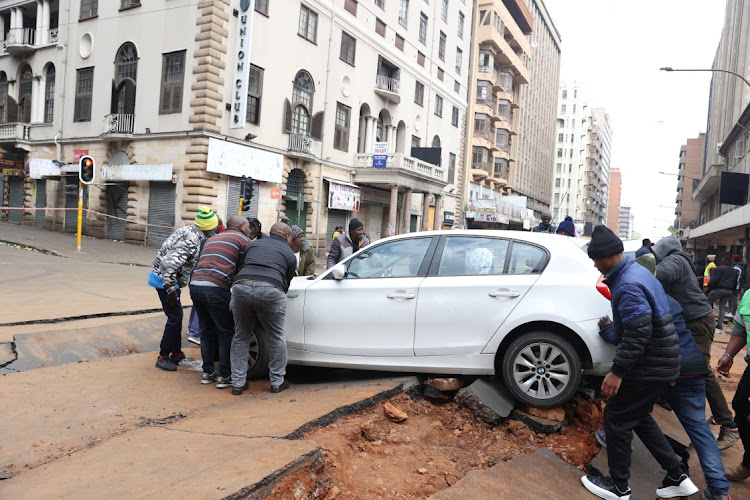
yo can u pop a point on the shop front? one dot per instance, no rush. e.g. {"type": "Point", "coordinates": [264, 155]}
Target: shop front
{"type": "Point", "coordinates": [344, 202]}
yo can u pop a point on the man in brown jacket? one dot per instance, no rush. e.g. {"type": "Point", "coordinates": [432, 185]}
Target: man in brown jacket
{"type": "Point", "coordinates": [303, 251]}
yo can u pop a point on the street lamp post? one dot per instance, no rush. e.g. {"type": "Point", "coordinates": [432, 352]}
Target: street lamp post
{"type": "Point", "coordinates": [712, 70]}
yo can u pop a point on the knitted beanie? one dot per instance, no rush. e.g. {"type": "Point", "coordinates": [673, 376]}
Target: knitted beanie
{"type": "Point", "coordinates": [545, 214]}
{"type": "Point", "coordinates": [297, 232]}
{"type": "Point", "coordinates": [206, 219]}
{"type": "Point", "coordinates": [567, 226]}
{"type": "Point", "coordinates": [736, 258]}
{"type": "Point", "coordinates": [604, 243]}
{"type": "Point", "coordinates": [354, 224]}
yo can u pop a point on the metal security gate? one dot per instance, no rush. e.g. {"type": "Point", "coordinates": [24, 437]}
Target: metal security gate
{"type": "Point", "coordinates": [375, 228]}
{"type": "Point", "coordinates": [233, 199]}
{"type": "Point", "coordinates": [335, 218]}
{"type": "Point", "coordinates": [413, 224]}
{"type": "Point", "coordinates": [15, 199]}
{"type": "Point", "coordinates": [41, 202]}
{"type": "Point", "coordinates": [161, 209]}
{"type": "Point", "coordinates": [117, 206]}
{"type": "Point", "coordinates": [71, 201]}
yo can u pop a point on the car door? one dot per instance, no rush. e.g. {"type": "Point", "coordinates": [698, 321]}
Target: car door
{"type": "Point", "coordinates": [371, 311]}
{"type": "Point", "coordinates": [473, 285]}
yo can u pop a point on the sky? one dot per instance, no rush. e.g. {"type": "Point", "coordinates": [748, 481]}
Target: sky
{"type": "Point", "coordinates": [615, 49]}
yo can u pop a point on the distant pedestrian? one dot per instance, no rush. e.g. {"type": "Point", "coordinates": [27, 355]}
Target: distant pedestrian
{"type": "Point", "coordinates": [546, 225]}
{"type": "Point", "coordinates": [647, 360]}
{"type": "Point", "coordinates": [721, 287]}
{"type": "Point", "coordinates": [171, 271]}
{"type": "Point", "coordinates": [303, 252]}
{"type": "Point", "coordinates": [645, 249]}
{"type": "Point", "coordinates": [675, 271]}
{"type": "Point", "coordinates": [210, 290]}
{"type": "Point", "coordinates": [709, 269]}
{"type": "Point", "coordinates": [741, 270]}
{"type": "Point", "coordinates": [346, 244]}
{"type": "Point", "coordinates": [566, 227]}
{"type": "Point", "coordinates": [337, 232]}
{"type": "Point", "coordinates": [259, 294]}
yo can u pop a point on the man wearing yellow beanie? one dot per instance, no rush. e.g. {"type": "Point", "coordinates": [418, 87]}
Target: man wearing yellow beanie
{"type": "Point", "coordinates": [171, 271]}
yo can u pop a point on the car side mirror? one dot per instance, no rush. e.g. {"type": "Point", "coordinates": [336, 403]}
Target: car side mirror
{"type": "Point", "coordinates": [338, 272]}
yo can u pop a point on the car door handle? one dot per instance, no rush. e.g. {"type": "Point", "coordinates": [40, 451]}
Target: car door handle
{"type": "Point", "coordinates": [292, 295]}
{"type": "Point", "coordinates": [401, 295]}
{"type": "Point", "coordinates": [505, 293]}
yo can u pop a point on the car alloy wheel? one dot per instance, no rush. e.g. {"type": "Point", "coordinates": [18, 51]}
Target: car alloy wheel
{"type": "Point", "coordinates": [257, 359]}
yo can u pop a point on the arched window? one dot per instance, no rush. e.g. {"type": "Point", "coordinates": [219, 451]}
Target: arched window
{"type": "Point", "coordinates": [3, 97]}
{"type": "Point", "coordinates": [436, 142]}
{"type": "Point", "coordinates": [302, 100]}
{"type": "Point", "coordinates": [49, 94]}
{"type": "Point", "coordinates": [300, 120]}
{"type": "Point", "coordinates": [24, 93]}
{"type": "Point", "coordinates": [126, 72]}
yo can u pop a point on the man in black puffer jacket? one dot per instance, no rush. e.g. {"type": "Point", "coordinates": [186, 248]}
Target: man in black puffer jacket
{"type": "Point", "coordinates": [721, 287]}
{"type": "Point", "coordinates": [647, 360]}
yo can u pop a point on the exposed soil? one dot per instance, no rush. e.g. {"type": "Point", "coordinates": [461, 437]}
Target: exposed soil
{"type": "Point", "coordinates": [367, 456]}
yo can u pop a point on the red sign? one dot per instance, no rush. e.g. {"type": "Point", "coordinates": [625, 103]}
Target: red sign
{"type": "Point", "coordinates": [78, 153]}
{"type": "Point", "coordinates": [275, 193]}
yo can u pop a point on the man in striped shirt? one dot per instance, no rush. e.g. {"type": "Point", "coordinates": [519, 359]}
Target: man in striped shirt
{"type": "Point", "coordinates": [210, 286]}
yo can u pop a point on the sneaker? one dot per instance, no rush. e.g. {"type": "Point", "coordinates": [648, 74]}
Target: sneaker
{"type": "Point", "coordinates": [728, 437]}
{"type": "Point", "coordinates": [176, 358]}
{"type": "Point", "coordinates": [601, 436]}
{"type": "Point", "coordinates": [194, 340]}
{"type": "Point", "coordinates": [165, 364]}
{"type": "Point", "coordinates": [209, 377]}
{"type": "Point", "coordinates": [224, 382]}
{"type": "Point", "coordinates": [603, 487]}
{"type": "Point", "coordinates": [707, 495]}
{"type": "Point", "coordinates": [237, 391]}
{"type": "Point", "coordinates": [278, 388]}
{"type": "Point", "coordinates": [711, 420]}
{"type": "Point", "coordinates": [738, 473]}
{"type": "Point", "coordinates": [680, 487]}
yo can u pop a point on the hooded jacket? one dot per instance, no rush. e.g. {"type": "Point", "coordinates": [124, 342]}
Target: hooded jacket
{"type": "Point", "coordinates": [648, 346]}
{"type": "Point", "coordinates": [676, 273]}
{"type": "Point", "coordinates": [176, 258]}
{"type": "Point", "coordinates": [725, 277]}
{"type": "Point", "coordinates": [342, 248]}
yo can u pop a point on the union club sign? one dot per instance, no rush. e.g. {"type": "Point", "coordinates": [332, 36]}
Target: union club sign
{"type": "Point", "coordinates": [242, 63]}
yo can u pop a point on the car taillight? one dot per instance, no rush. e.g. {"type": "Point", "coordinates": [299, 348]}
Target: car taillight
{"type": "Point", "coordinates": [603, 288]}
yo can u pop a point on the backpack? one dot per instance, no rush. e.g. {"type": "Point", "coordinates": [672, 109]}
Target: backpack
{"type": "Point", "coordinates": [737, 266]}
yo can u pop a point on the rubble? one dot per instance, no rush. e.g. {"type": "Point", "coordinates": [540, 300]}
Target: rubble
{"type": "Point", "coordinates": [554, 414]}
{"type": "Point", "coordinates": [486, 400]}
{"type": "Point", "coordinates": [445, 384]}
{"type": "Point", "coordinates": [394, 414]}
{"type": "Point", "coordinates": [538, 424]}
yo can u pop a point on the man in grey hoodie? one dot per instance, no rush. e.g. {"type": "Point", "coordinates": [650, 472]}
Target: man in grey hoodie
{"type": "Point", "coordinates": [676, 273]}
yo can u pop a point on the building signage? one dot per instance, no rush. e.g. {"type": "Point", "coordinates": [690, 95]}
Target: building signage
{"type": "Point", "coordinates": [376, 197]}
{"type": "Point", "coordinates": [10, 172]}
{"type": "Point", "coordinates": [344, 196]}
{"type": "Point", "coordinates": [484, 210]}
{"type": "Point", "coordinates": [448, 218]}
{"type": "Point", "coordinates": [380, 156]}
{"type": "Point", "coordinates": [116, 173]}
{"type": "Point", "coordinates": [77, 153]}
{"type": "Point", "coordinates": [275, 193]}
{"type": "Point", "coordinates": [11, 160]}
{"type": "Point", "coordinates": [237, 160]}
{"type": "Point", "coordinates": [242, 63]}
{"type": "Point", "coordinates": [38, 168]}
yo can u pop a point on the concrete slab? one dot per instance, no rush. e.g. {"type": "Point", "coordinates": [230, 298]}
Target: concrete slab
{"type": "Point", "coordinates": [159, 463]}
{"type": "Point", "coordinates": [7, 355]}
{"type": "Point", "coordinates": [533, 475]}
{"type": "Point", "coordinates": [487, 400]}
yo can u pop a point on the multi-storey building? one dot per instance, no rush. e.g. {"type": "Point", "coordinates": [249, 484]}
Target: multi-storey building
{"type": "Point", "coordinates": [688, 175]}
{"type": "Point", "coordinates": [295, 94]}
{"type": "Point", "coordinates": [598, 159]}
{"type": "Point", "coordinates": [615, 195]}
{"type": "Point", "coordinates": [625, 223]}
{"type": "Point", "coordinates": [568, 181]}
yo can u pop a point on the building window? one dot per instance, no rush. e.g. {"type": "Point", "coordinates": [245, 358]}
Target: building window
{"type": "Point", "coordinates": [403, 9]}
{"type": "Point", "coordinates": [348, 48]}
{"type": "Point", "coordinates": [3, 97]}
{"type": "Point", "coordinates": [461, 25]}
{"type": "Point", "coordinates": [126, 4]}
{"type": "Point", "coordinates": [557, 198]}
{"type": "Point", "coordinates": [444, 10]}
{"type": "Point", "coordinates": [438, 105]}
{"type": "Point", "coordinates": [456, 87]}
{"type": "Point", "coordinates": [559, 152]}
{"type": "Point", "coordinates": [415, 141]}
{"type": "Point", "coordinates": [25, 84]}
{"type": "Point", "coordinates": [172, 80]}
{"type": "Point", "coordinates": [49, 95]}
{"type": "Point", "coordinates": [563, 108]}
{"type": "Point", "coordinates": [480, 158]}
{"type": "Point", "coordinates": [504, 109]}
{"type": "Point", "coordinates": [126, 74]}
{"type": "Point", "coordinates": [419, 94]}
{"type": "Point", "coordinates": [351, 6]}
{"type": "Point", "coordinates": [420, 59]}
{"type": "Point", "coordinates": [451, 167]}
{"type": "Point", "coordinates": [440, 74]}
{"type": "Point", "coordinates": [341, 133]}
{"type": "Point", "coordinates": [422, 27]}
{"type": "Point", "coordinates": [557, 182]}
{"type": "Point", "coordinates": [84, 92]}
{"type": "Point", "coordinates": [301, 105]}
{"type": "Point", "coordinates": [254, 93]}
{"type": "Point", "coordinates": [380, 27]}
{"type": "Point", "coordinates": [459, 60]}
{"type": "Point", "coordinates": [454, 117]}
{"type": "Point", "coordinates": [89, 8]}
{"type": "Point", "coordinates": [262, 6]}
{"type": "Point", "coordinates": [400, 43]}
{"type": "Point", "coordinates": [441, 46]}
{"type": "Point", "coordinates": [560, 137]}
{"type": "Point", "coordinates": [300, 120]}
{"type": "Point", "coordinates": [380, 3]}
{"type": "Point", "coordinates": [303, 89]}
{"type": "Point", "coordinates": [575, 93]}
{"type": "Point", "coordinates": [501, 168]}
{"type": "Point", "coordinates": [564, 94]}
{"type": "Point", "coordinates": [308, 24]}
{"type": "Point", "coordinates": [559, 168]}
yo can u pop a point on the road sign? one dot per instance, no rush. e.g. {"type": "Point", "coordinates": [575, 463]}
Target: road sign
{"type": "Point", "coordinates": [380, 156]}
{"type": "Point", "coordinates": [275, 193]}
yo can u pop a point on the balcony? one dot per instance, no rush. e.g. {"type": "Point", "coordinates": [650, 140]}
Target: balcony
{"type": "Point", "coordinates": [709, 184]}
{"type": "Point", "coordinates": [388, 88]}
{"type": "Point", "coordinates": [20, 41]}
{"type": "Point", "coordinates": [14, 132]}
{"type": "Point", "coordinates": [118, 126]}
{"type": "Point", "coordinates": [505, 55]}
{"type": "Point", "coordinates": [400, 169]}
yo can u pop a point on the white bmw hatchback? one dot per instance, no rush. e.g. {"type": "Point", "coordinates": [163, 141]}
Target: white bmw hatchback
{"type": "Point", "coordinates": [524, 306]}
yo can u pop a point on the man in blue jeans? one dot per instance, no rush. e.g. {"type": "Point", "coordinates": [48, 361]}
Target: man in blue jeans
{"type": "Point", "coordinates": [210, 290]}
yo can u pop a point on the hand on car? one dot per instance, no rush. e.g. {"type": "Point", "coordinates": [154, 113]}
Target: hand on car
{"type": "Point", "coordinates": [611, 385]}
{"type": "Point", "coordinates": [604, 321]}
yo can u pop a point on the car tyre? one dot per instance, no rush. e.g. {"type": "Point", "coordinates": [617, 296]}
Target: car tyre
{"type": "Point", "coordinates": [257, 361]}
{"type": "Point", "coordinates": [541, 369]}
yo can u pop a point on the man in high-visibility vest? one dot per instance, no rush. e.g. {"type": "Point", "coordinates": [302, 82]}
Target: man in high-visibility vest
{"type": "Point", "coordinates": [710, 265]}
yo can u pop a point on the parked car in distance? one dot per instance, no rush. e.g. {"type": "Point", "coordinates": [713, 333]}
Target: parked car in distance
{"type": "Point", "coordinates": [523, 306]}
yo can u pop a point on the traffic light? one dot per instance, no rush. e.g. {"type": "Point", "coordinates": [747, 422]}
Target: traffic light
{"type": "Point", "coordinates": [86, 169]}
{"type": "Point", "coordinates": [247, 194]}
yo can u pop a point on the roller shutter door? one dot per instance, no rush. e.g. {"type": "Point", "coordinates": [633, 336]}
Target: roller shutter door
{"type": "Point", "coordinates": [117, 206]}
{"type": "Point", "coordinates": [71, 201]}
{"type": "Point", "coordinates": [233, 199]}
{"type": "Point", "coordinates": [15, 199]}
{"type": "Point", "coordinates": [413, 224]}
{"type": "Point", "coordinates": [375, 227]}
{"type": "Point", "coordinates": [41, 202]}
{"type": "Point", "coordinates": [335, 218]}
{"type": "Point", "coordinates": [161, 208]}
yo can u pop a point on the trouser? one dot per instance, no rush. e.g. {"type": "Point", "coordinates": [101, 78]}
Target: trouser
{"type": "Point", "coordinates": [734, 300]}
{"type": "Point", "coordinates": [741, 407]}
{"type": "Point", "coordinates": [703, 333]}
{"type": "Point", "coordinates": [724, 297]}
{"type": "Point", "coordinates": [251, 301]}
{"type": "Point", "coordinates": [688, 401]}
{"type": "Point", "coordinates": [629, 411]}
{"type": "Point", "coordinates": [194, 328]}
{"type": "Point", "coordinates": [216, 326]}
{"type": "Point", "coordinates": [171, 339]}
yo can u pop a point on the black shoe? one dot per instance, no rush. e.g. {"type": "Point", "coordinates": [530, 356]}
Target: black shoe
{"type": "Point", "coordinates": [603, 487]}
{"type": "Point", "coordinates": [680, 487]}
{"type": "Point", "coordinates": [176, 358]}
{"type": "Point", "coordinates": [237, 391]}
{"type": "Point", "coordinates": [278, 388]}
{"type": "Point", "coordinates": [165, 364]}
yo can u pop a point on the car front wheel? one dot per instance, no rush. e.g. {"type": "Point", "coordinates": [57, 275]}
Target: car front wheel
{"type": "Point", "coordinates": [541, 369]}
{"type": "Point", "coordinates": [257, 361]}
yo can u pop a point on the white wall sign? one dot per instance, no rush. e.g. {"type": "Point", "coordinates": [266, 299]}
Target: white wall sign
{"type": "Point", "coordinates": [236, 160]}
{"type": "Point", "coordinates": [242, 63]}
{"type": "Point", "coordinates": [113, 173]}
{"type": "Point", "coordinates": [39, 168]}
{"type": "Point", "coordinates": [344, 197]}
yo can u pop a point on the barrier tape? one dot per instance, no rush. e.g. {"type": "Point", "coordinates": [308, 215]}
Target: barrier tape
{"type": "Point", "coordinates": [90, 211]}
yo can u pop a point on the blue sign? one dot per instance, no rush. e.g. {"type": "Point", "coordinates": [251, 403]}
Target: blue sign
{"type": "Point", "coordinates": [380, 156]}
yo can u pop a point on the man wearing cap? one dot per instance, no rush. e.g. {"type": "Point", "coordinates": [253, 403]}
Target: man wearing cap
{"type": "Point", "coordinates": [566, 227]}
{"type": "Point", "coordinates": [646, 361]}
{"type": "Point", "coordinates": [708, 271]}
{"type": "Point", "coordinates": [346, 244]}
{"type": "Point", "coordinates": [546, 225]}
{"type": "Point", "coordinates": [173, 264]}
{"type": "Point", "coordinates": [303, 252]}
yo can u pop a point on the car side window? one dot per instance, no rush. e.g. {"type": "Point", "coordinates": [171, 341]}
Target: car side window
{"type": "Point", "coordinates": [397, 259]}
{"type": "Point", "coordinates": [470, 256]}
{"type": "Point", "coordinates": [526, 259]}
